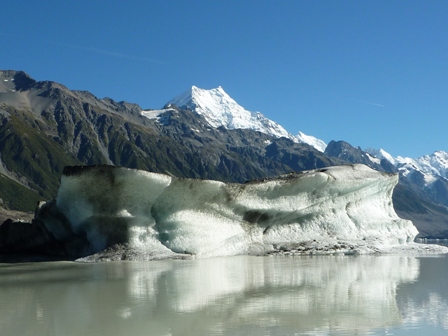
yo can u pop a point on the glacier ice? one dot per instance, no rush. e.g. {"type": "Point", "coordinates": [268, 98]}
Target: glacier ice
{"type": "Point", "coordinates": [163, 215]}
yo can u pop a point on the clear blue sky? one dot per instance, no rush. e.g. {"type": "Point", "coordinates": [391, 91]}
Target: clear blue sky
{"type": "Point", "coordinates": [373, 73]}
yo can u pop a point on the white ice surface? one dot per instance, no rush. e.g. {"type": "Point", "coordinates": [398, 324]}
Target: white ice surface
{"type": "Point", "coordinates": [210, 218]}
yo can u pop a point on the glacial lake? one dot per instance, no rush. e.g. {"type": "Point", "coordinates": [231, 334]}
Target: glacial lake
{"type": "Point", "coordinates": [242, 295]}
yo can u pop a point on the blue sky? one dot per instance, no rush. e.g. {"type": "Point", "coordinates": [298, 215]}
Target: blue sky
{"type": "Point", "coordinates": [373, 73]}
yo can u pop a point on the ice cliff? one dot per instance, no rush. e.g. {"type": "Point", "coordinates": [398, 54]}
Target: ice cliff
{"type": "Point", "coordinates": [336, 209]}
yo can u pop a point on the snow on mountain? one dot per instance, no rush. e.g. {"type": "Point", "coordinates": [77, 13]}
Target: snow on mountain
{"type": "Point", "coordinates": [154, 114]}
{"type": "Point", "coordinates": [431, 167]}
{"type": "Point", "coordinates": [381, 154]}
{"type": "Point", "coordinates": [219, 109]}
{"type": "Point", "coordinates": [374, 159]}
{"type": "Point", "coordinates": [320, 145]}
{"type": "Point", "coordinates": [435, 164]}
{"type": "Point", "coordinates": [407, 165]}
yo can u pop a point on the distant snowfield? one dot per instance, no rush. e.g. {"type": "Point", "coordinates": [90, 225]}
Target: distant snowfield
{"type": "Point", "coordinates": [154, 114]}
{"type": "Point", "coordinates": [344, 209]}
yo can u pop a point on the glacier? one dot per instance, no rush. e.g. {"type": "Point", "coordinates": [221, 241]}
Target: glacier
{"type": "Point", "coordinates": [341, 209]}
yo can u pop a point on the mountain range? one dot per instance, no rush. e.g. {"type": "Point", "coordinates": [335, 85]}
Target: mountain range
{"type": "Point", "coordinates": [44, 126]}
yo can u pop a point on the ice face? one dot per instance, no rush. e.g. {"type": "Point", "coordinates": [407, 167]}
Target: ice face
{"type": "Point", "coordinates": [152, 211]}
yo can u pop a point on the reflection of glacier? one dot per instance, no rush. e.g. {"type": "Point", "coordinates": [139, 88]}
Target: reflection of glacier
{"type": "Point", "coordinates": [318, 293]}
{"type": "Point", "coordinates": [164, 214]}
{"type": "Point", "coordinates": [217, 296]}
{"type": "Point", "coordinates": [425, 302]}
{"type": "Point", "coordinates": [433, 311]}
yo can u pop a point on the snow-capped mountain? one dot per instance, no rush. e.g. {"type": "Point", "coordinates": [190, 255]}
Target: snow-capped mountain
{"type": "Point", "coordinates": [320, 145]}
{"type": "Point", "coordinates": [426, 170]}
{"type": "Point", "coordinates": [430, 166]}
{"type": "Point", "coordinates": [427, 174]}
{"type": "Point", "coordinates": [435, 164]}
{"type": "Point", "coordinates": [220, 110]}
{"type": "Point", "coordinates": [380, 154]}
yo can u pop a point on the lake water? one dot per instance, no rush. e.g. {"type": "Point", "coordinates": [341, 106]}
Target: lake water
{"type": "Point", "coordinates": [243, 295]}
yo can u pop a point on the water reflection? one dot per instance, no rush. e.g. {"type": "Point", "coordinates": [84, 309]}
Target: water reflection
{"type": "Point", "coordinates": [425, 302]}
{"type": "Point", "coordinates": [223, 296]}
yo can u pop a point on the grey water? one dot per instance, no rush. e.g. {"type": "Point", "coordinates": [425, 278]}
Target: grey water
{"type": "Point", "coordinates": [242, 295]}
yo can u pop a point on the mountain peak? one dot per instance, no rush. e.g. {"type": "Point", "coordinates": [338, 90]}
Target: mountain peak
{"type": "Point", "coordinates": [219, 109]}
{"type": "Point", "coordinates": [435, 164]}
{"type": "Point", "coordinates": [16, 80]}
